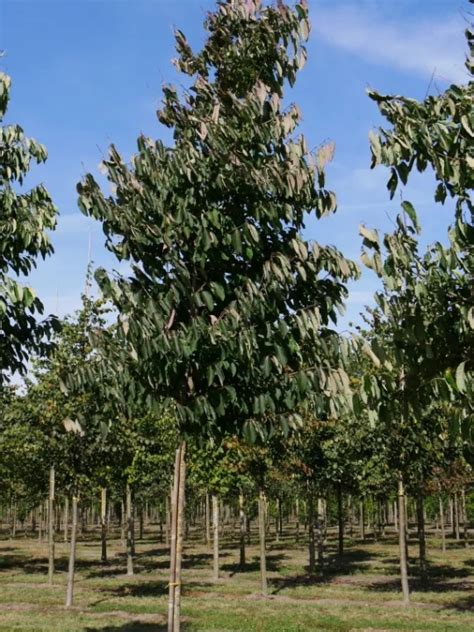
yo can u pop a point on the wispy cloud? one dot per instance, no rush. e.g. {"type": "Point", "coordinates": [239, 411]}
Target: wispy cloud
{"type": "Point", "coordinates": [425, 47]}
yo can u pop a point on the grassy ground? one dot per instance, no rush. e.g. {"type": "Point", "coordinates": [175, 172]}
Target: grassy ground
{"type": "Point", "coordinates": [359, 591]}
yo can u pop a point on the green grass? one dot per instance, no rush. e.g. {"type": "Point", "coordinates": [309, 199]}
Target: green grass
{"type": "Point", "coordinates": [359, 591]}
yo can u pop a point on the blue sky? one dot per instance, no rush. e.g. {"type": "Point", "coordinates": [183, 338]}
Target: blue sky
{"type": "Point", "coordinates": [89, 72]}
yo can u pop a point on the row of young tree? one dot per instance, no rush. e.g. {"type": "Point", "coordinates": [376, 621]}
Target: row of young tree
{"type": "Point", "coordinates": [220, 342]}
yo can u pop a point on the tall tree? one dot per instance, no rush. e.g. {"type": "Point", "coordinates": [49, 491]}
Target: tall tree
{"type": "Point", "coordinates": [24, 221]}
{"type": "Point", "coordinates": [226, 309]}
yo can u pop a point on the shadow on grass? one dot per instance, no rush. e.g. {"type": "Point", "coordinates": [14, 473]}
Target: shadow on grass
{"type": "Point", "coordinates": [273, 564]}
{"type": "Point", "coordinates": [133, 626]}
{"type": "Point", "coordinates": [154, 588]}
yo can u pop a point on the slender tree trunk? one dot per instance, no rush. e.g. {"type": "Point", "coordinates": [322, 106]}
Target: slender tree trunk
{"type": "Point", "coordinates": [72, 555]}
{"type": "Point", "coordinates": [321, 526]}
{"type": "Point", "coordinates": [13, 520]}
{"type": "Point", "coordinates": [456, 517]}
{"type": "Point", "coordinates": [129, 520]}
{"type": "Point", "coordinates": [395, 516]}
{"type": "Point", "coordinates": [40, 523]}
{"type": "Point", "coordinates": [263, 553]}
{"type": "Point", "coordinates": [66, 519]}
{"type": "Point", "coordinates": [167, 520]}
{"type": "Point", "coordinates": [215, 537]}
{"type": "Point", "coordinates": [340, 519]}
{"type": "Point", "coordinates": [465, 522]}
{"type": "Point", "coordinates": [140, 522]}
{"type": "Point", "coordinates": [277, 529]}
{"type": "Point", "coordinates": [420, 517]}
{"type": "Point", "coordinates": [176, 549]}
{"type": "Point", "coordinates": [311, 536]}
{"type": "Point", "coordinates": [280, 518]}
{"type": "Point", "coordinates": [402, 542]}
{"type": "Point", "coordinates": [362, 520]}
{"type": "Point", "coordinates": [297, 517]}
{"type": "Point", "coordinates": [441, 524]}
{"type": "Point", "coordinates": [103, 524]}
{"type": "Point", "coordinates": [207, 535]}
{"type": "Point", "coordinates": [51, 526]}
{"type": "Point", "coordinates": [123, 525]}
{"type": "Point", "coordinates": [242, 531]}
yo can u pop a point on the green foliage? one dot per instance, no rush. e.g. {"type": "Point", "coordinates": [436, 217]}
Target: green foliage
{"type": "Point", "coordinates": [225, 314]}
{"type": "Point", "coordinates": [24, 220]}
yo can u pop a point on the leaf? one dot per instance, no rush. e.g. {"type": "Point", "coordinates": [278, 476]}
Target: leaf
{"type": "Point", "coordinates": [410, 211]}
{"type": "Point", "coordinates": [370, 354]}
{"type": "Point", "coordinates": [325, 154]}
{"type": "Point", "coordinates": [370, 236]}
{"type": "Point", "coordinates": [461, 377]}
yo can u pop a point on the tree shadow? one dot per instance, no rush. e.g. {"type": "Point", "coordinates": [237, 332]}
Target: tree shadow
{"type": "Point", "coordinates": [273, 564]}
{"type": "Point", "coordinates": [143, 589]}
{"type": "Point", "coordinates": [134, 626]}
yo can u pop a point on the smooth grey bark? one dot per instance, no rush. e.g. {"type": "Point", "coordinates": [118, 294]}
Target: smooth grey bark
{"type": "Point", "coordinates": [320, 531]}
{"type": "Point", "coordinates": [465, 522]}
{"type": "Point", "coordinates": [215, 537]}
{"type": "Point", "coordinates": [72, 555]}
{"type": "Point", "coordinates": [66, 519]}
{"type": "Point", "coordinates": [103, 525]}
{"type": "Point", "coordinates": [262, 534]}
{"type": "Point", "coordinates": [441, 524]}
{"type": "Point", "coordinates": [52, 478]}
{"type": "Point", "coordinates": [402, 542]}
{"type": "Point", "coordinates": [242, 531]}
{"type": "Point", "coordinates": [420, 517]}
{"type": "Point", "coordinates": [340, 520]}
{"type": "Point", "coordinates": [311, 534]}
{"type": "Point", "coordinates": [297, 518]}
{"type": "Point", "coordinates": [176, 549]}
{"type": "Point", "coordinates": [129, 519]}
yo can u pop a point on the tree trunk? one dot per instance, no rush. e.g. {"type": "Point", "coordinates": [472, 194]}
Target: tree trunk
{"type": "Point", "coordinates": [263, 554]}
{"type": "Point", "coordinates": [420, 517]}
{"type": "Point", "coordinates": [13, 520]}
{"type": "Point", "coordinates": [280, 518]}
{"type": "Point", "coordinates": [207, 512]}
{"type": "Point", "coordinates": [311, 536]}
{"type": "Point", "coordinates": [123, 525]}
{"type": "Point", "coordinates": [465, 522]}
{"type": "Point", "coordinates": [66, 519]}
{"type": "Point", "coordinates": [456, 517]}
{"type": "Point", "coordinates": [72, 555]}
{"type": "Point", "coordinates": [340, 520]}
{"type": "Point", "coordinates": [140, 522]}
{"type": "Point", "coordinates": [40, 523]}
{"type": "Point", "coordinates": [297, 516]}
{"type": "Point", "coordinates": [129, 523]}
{"type": "Point", "coordinates": [167, 520]}
{"type": "Point", "coordinates": [361, 520]}
{"type": "Point", "coordinates": [103, 524]}
{"type": "Point", "coordinates": [402, 542]}
{"type": "Point", "coordinates": [320, 522]}
{"type": "Point", "coordinates": [176, 551]}
{"type": "Point", "coordinates": [441, 524]}
{"type": "Point", "coordinates": [215, 537]}
{"type": "Point", "coordinates": [51, 526]}
{"type": "Point", "coordinates": [242, 531]}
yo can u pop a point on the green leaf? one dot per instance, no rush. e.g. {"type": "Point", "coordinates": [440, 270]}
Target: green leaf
{"type": "Point", "coordinates": [410, 211]}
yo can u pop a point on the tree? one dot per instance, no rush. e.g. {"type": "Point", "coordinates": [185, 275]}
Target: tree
{"type": "Point", "coordinates": [226, 311]}
{"type": "Point", "coordinates": [24, 222]}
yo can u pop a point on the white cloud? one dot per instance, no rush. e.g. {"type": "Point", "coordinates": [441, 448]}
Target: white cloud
{"type": "Point", "coordinates": [425, 47]}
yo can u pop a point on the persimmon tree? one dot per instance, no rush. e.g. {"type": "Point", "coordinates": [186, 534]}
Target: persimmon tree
{"type": "Point", "coordinates": [226, 308]}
